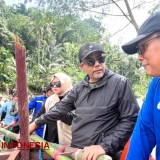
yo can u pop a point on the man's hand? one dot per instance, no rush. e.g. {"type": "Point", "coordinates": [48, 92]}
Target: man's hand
{"type": "Point", "coordinates": [10, 125]}
{"type": "Point", "coordinates": [32, 127]}
{"type": "Point", "coordinates": [92, 152]}
{"type": "Point", "coordinates": [18, 137]}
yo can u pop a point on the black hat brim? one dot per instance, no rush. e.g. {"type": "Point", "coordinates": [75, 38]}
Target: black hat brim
{"type": "Point", "coordinates": [89, 53]}
{"type": "Point", "coordinates": [131, 46]}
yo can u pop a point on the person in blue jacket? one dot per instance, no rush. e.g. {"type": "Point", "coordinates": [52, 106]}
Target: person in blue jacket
{"type": "Point", "coordinates": [146, 133]}
{"type": "Point", "coordinates": [7, 107]}
{"type": "Point", "coordinates": [36, 104]}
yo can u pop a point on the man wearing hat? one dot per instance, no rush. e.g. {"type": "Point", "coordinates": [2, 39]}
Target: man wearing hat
{"type": "Point", "coordinates": [105, 107]}
{"type": "Point", "coordinates": [37, 102]}
{"type": "Point", "coordinates": [146, 134]}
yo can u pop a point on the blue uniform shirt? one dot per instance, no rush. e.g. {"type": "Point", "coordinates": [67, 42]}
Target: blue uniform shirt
{"type": "Point", "coordinates": [146, 133]}
{"type": "Point", "coordinates": [7, 108]}
{"type": "Point", "coordinates": [36, 104]}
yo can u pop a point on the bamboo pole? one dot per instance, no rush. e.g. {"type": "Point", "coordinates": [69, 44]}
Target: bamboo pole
{"type": "Point", "coordinates": [77, 155]}
{"type": "Point", "coordinates": [1, 147]}
{"type": "Point", "coordinates": [53, 147]}
{"type": "Point", "coordinates": [51, 150]}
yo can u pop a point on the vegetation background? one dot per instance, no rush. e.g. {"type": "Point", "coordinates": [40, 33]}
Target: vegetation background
{"type": "Point", "coordinates": [52, 32]}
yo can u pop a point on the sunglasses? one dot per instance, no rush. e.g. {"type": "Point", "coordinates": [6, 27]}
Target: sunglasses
{"type": "Point", "coordinates": [55, 84]}
{"type": "Point", "coordinates": [142, 47]}
{"type": "Point", "coordinates": [91, 62]}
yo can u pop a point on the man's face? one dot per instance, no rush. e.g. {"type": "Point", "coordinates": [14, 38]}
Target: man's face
{"type": "Point", "coordinates": [49, 93]}
{"type": "Point", "coordinates": [94, 66]}
{"type": "Point", "coordinates": [15, 98]}
{"type": "Point", "coordinates": [150, 55]}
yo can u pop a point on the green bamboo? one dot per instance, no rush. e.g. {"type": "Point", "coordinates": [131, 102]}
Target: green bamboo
{"type": "Point", "coordinates": [53, 147]}
{"type": "Point", "coordinates": [2, 149]}
{"type": "Point", "coordinates": [8, 133]}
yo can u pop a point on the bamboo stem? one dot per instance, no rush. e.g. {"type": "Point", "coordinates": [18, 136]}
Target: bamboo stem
{"type": "Point", "coordinates": [53, 147]}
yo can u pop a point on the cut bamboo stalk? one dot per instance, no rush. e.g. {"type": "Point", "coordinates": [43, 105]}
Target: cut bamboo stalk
{"type": "Point", "coordinates": [20, 54]}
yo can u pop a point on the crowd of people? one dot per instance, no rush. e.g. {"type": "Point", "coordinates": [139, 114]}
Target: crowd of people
{"type": "Point", "coordinates": [59, 85]}
{"type": "Point", "coordinates": [100, 114]}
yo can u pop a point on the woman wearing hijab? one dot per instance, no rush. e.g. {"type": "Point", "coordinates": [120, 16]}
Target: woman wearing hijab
{"type": "Point", "coordinates": [61, 84]}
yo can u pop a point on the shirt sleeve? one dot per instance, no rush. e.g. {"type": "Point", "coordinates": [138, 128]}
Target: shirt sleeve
{"type": "Point", "coordinates": [16, 118]}
{"type": "Point", "coordinates": [58, 111]}
{"type": "Point", "coordinates": [32, 104]}
{"type": "Point", "coordinates": [3, 108]}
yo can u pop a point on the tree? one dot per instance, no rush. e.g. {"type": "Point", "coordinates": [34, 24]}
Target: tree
{"type": "Point", "coordinates": [124, 8]}
{"type": "Point", "coordinates": [7, 68]}
{"type": "Point", "coordinates": [7, 63]}
{"type": "Point", "coordinates": [52, 38]}
{"type": "Point", "coordinates": [47, 36]}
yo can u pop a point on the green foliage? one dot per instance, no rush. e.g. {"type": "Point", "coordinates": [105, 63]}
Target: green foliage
{"type": "Point", "coordinates": [7, 62]}
{"type": "Point", "coordinates": [58, 7]}
{"type": "Point", "coordinates": [6, 37]}
{"type": "Point", "coordinates": [71, 64]}
{"type": "Point", "coordinates": [7, 68]}
{"type": "Point", "coordinates": [129, 67]}
{"type": "Point", "coordinates": [52, 38]}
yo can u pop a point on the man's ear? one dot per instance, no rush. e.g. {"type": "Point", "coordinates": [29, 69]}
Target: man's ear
{"type": "Point", "coordinates": [81, 66]}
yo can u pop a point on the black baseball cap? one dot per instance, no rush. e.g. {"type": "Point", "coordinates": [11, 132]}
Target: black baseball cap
{"type": "Point", "coordinates": [150, 26]}
{"type": "Point", "coordinates": [88, 48]}
{"type": "Point", "coordinates": [15, 94]}
{"type": "Point", "coordinates": [47, 88]}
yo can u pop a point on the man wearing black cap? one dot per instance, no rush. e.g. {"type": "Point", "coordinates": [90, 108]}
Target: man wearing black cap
{"type": "Point", "coordinates": [146, 134]}
{"type": "Point", "coordinates": [105, 107]}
